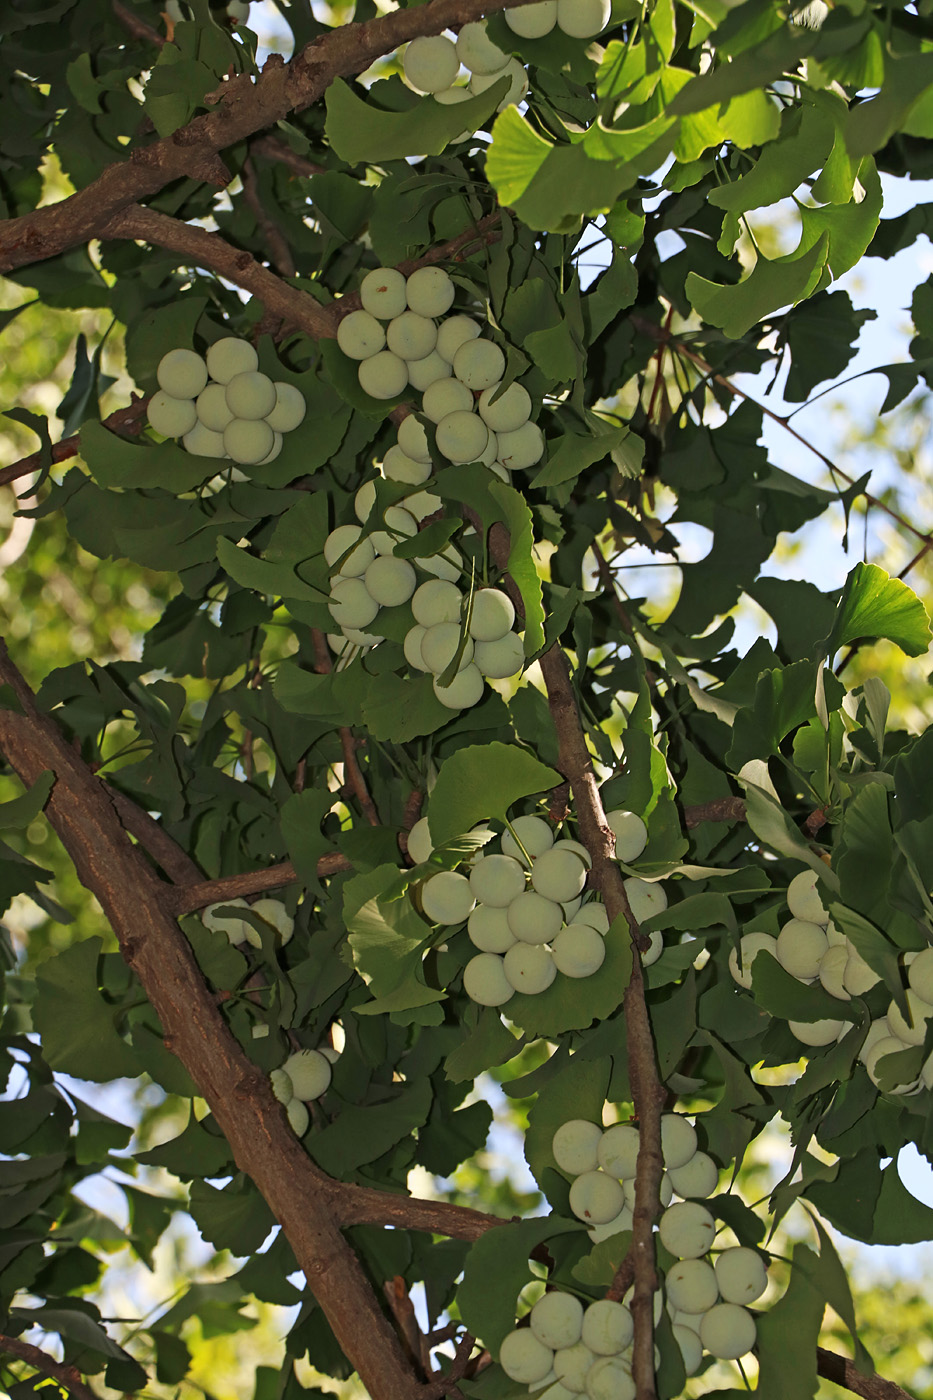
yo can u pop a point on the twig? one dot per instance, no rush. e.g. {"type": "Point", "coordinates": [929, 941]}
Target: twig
{"type": "Point", "coordinates": [129, 419]}
{"type": "Point", "coordinates": [153, 837]}
{"type": "Point", "coordinates": [67, 1377]}
{"type": "Point", "coordinates": [137, 26]}
{"type": "Point", "coordinates": [277, 243]}
{"type": "Point", "coordinates": [841, 1371]}
{"type": "Point", "coordinates": [185, 899]}
{"type": "Point", "coordinates": [413, 1339]}
{"type": "Point", "coordinates": [365, 1205]}
{"type": "Point", "coordinates": [273, 149]}
{"type": "Point", "coordinates": [449, 1384]}
{"type": "Point", "coordinates": [720, 809]}
{"type": "Point", "coordinates": [351, 767]}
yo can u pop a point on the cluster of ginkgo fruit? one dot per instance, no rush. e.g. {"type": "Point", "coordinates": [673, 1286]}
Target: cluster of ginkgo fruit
{"type": "Point", "coordinates": [705, 1299]}
{"type": "Point", "coordinates": [304, 1076]}
{"type": "Point", "coordinates": [222, 405]}
{"type": "Point", "coordinates": [812, 949]}
{"type": "Point", "coordinates": [524, 906]}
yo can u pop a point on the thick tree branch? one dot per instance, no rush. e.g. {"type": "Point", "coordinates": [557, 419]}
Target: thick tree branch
{"type": "Point", "coordinates": [67, 1377]}
{"type": "Point", "coordinates": [153, 837]}
{"type": "Point", "coordinates": [720, 809]}
{"type": "Point", "coordinates": [185, 899]}
{"type": "Point", "coordinates": [130, 419]}
{"type": "Point", "coordinates": [364, 1205]}
{"type": "Point", "coordinates": [842, 1372]}
{"type": "Point", "coordinates": [271, 148]}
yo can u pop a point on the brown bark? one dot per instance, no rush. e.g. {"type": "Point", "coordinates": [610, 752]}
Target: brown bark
{"type": "Point", "coordinates": [842, 1372]}
{"type": "Point", "coordinates": [68, 1377]}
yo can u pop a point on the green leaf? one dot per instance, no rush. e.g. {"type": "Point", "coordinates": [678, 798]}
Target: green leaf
{"type": "Point", "coordinates": [769, 286]}
{"type": "Point", "coordinates": [521, 565]}
{"type": "Point", "coordinates": [359, 131]}
{"type": "Point", "coordinates": [495, 1272]}
{"type": "Point", "coordinates": [388, 940]}
{"type": "Point", "coordinates": [21, 811]}
{"type": "Point", "coordinates": [788, 1334]}
{"type": "Point", "coordinates": [571, 454]}
{"type": "Point", "coordinates": [361, 1134]}
{"type": "Point", "coordinates": [488, 1043]}
{"type": "Point", "coordinates": [875, 605]}
{"type": "Point", "coordinates": [573, 1003]}
{"type": "Point", "coordinates": [483, 781]}
{"type": "Point", "coordinates": [235, 1217]}
{"type": "Point", "coordinates": [579, 1090]}
{"type": "Point", "coordinates": [75, 1022]}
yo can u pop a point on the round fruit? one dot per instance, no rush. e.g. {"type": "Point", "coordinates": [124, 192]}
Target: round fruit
{"type": "Point", "coordinates": [476, 50]}
{"type": "Point", "coordinates": [803, 900]}
{"type": "Point", "coordinates": [575, 1146]}
{"type": "Point", "coordinates": [618, 1151]}
{"type": "Point", "coordinates": [523, 1357]}
{"type": "Point", "coordinates": [816, 1032]}
{"type": "Point", "coordinates": [507, 412]}
{"type": "Point", "coordinates": [514, 70]}
{"type": "Point", "coordinates": [310, 1073]}
{"type": "Point", "coordinates": [275, 449]}
{"type": "Point", "coordinates": [203, 443]}
{"type": "Point", "coordinates": [920, 975]}
{"type": "Point", "coordinates": [413, 440]}
{"type": "Point", "coordinates": [699, 1177]}
{"type": "Point", "coordinates": [364, 500]}
{"type": "Point", "coordinates": [596, 1197]}
{"type": "Point", "coordinates": [436, 601]}
{"type": "Point", "coordinates": [400, 525]}
{"type": "Point", "coordinates": [610, 1378]}
{"type": "Point", "coordinates": [535, 919]}
{"type": "Point", "coordinates": [687, 1229]}
{"type": "Point", "coordinates": [429, 291]}
{"type": "Point", "coordinates": [273, 911]}
{"type": "Point", "coordinates": [299, 1119]}
{"type": "Point", "coordinates": [529, 968]}
{"type": "Point", "coordinates": [248, 440]}
{"type": "Point", "coordinates": [464, 691]}
{"type": "Point", "coordinates": [607, 1327]}
{"type": "Point", "coordinates": [557, 1320]}
{"type": "Point", "coordinates": [521, 449]}
{"type": "Point", "coordinates": [290, 407]}
{"type": "Point", "coordinates": [559, 874]}
{"type": "Point", "coordinates": [594, 916]}
{"type": "Point", "coordinates": [630, 832]}
{"type": "Point", "coordinates": [534, 833]}
{"type": "Point", "coordinates": [182, 374]}
{"type": "Point", "coordinates": [430, 63]}
{"type": "Point", "coordinates": [497, 880]}
{"type": "Point", "coordinates": [489, 930]}
{"type": "Point", "coordinates": [485, 982]}
{"type": "Point", "coordinates": [382, 293]}
{"type": "Point", "coordinates": [492, 616]}
{"type": "Point", "coordinates": [583, 19]}
{"type": "Point", "coordinates": [479, 364]}
{"type": "Point", "coordinates": [360, 336]}
{"type": "Point", "coordinates": [741, 1275]}
{"type": "Point", "coordinates": [390, 581]}
{"type": "Point", "coordinates": [913, 1032]}
{"type": "Point", "coordinates": [446, 898]}
{"type": "Point", "coordinates": [462, 436]}
{"type": "Point", "coordinates": [453, 332]}
{"type": "Point", "coordinates": [213, 410]}
{"type": "Point", "coordinates": [412, 647]}
{"type": "Point", "coordinates": [502, 659]}
{"type": "Point", "coordinates": [750, 944]}
{"type": "Point", "coordinates": [800, 946]}
{"type": "Point", "coordinates": [172, 417]}
{"type": "Point", "coordinates": [422, 504]}
{"type": "Point", "coordinates": [859, 977]}
{"type": "Point", "coordinates": [578, 952]}
{"type": "Point", "coordinates": [411, 336]}
{"type": "Point", "coordinates": [237, 930]}
{"type": "Point", "coordinates": [446, 396]}
{"type": "Point", "coordinates": [888, 1045]}
{"type": "Point", "coordinates": [728, 1331]}
{"type": "Point", "coordinates": [281, 1085]}
{"type": "Point", "coordinates": [341, 555]}
{"type": "Point", "coordinates": [833, 965]}
{"type": "Point", "coordinates": [420, 844]}
{"type": "Point", "coordinates": [230, 356]}
{"type": "Point", "coordinates": [383, 376]}
{"type": "Point", "coordinates": [678, 1140]}
{"type": "Point", "coordinates": [440, 645]}
{"type": "Point", "coordinates": [398, 466]}
{"type": "Point", "coordinates": [350, 605]}
{"type": "Point", "coordinates": [533, 21]}
{"type": "Point", "coordinates": [250, 395]}
{"type": "Point", "coordinates": [362, 639]}
{"type": "Point", "coordinates": [691, 1348]}
{"type": "Point", "coordinates": [691, 1285]}
{"type": "Point", "coordinates": [645, 897]}
{"type": "Point", "coordinates": [571, 1365]}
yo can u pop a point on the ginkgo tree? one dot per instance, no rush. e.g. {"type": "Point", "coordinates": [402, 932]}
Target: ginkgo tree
{"type": "Point", "coordinates": [404, 787]}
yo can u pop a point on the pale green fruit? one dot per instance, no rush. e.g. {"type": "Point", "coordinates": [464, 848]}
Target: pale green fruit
{"type": "Point", "coordinates": [248, 440]}
{"type": "Point", "coordinates": [479, 364]}
{"type": "Point", "coordinates": [497, 880]}
{"type": "Point", "coordinates": [691, 1348]}
{"type": "Point", "coordinates": [275, 449]}
{"type": "Point", "coordinates": [521, 449]}
{"type": "Point", "coordinates": [518, 84]}
{"type": "Point", "coordinates": [411, 336]}
{"type": "Point", "coordinates": [620, 1222]}
{"type": "Point", "coordinates": [557, 1320]}
{"type": "Point", "coordinates": [250, 395]}
{"type": "Point", "coordinates": [920, 975]}
{"type": "Point", "coordinates": [578, 952]}
{"type": "Point", "coordinates": [346, 551]}
{"type": "Point", "coordinates": [596, 1197]}
{"type": "Point", "coordinates": [800, 947]}
{"type": "Point", "coordinates": [594, 915]}
{"type": "Point", "coordinates": [912, 1032]}
{"type": "Point", "coordinates": [485, 982]}
{"type": "Point", "coordinates": [728, 1331]}
{"type": "Point", "coordinates": [230, 356]}
{"type": "Point", "coordinates": [171, 417]}
{"type": "Point", "coordinates": [687, 1230]}
{"type": "Point", "coordinates": [678, 1140]}
{"type": "Point", "coordinates": [364, 500]}
{"type": "Point", "coordinates": [446, 396]}
{"type": "Point", "coordinates": [360, 336]}
{"type": "Point", "coordinates": [440, 645]}
{"type": "Point", "coordinates": [751, 943]}
{"type": "Point", "coordinates": [558, 874]}
{"type": "Point", "coordinates": [566, 844]}
{"type": "Point", "coordinates": [741, 1275]}
{"type": "Point", "coordinates": [618, 1151]}
{"type": "Point", "coordinates": [523, 1357]}
{"type": "Point", "coordinates": [816, 1033]}
{"type": "Point", "coordinates": [803, 900]}
{"type": "Point", "coordinates": [492, 616]}
{"type": "Point", "coordinates": [833, 965]}
{"type": "Point", "coordinates": [431, 369]}
{"type": "Point", "coordinates": [436, 601]}
{"type": "Point", "coordinates": [859, 978]}
{"type": "Point", "coordinates": [399, 524]}
{"type": "Point", "coordinates": [583, 19]}
{"type": "Point", "coordinates": [529, 967]}
{"type": "Point", "coordinates": [339, 643]}
{"type": "Point", "coordinates": [201, 442]}
{"type": "Point", "coordinates": [430, 63]}
{"type": "Point", "coordinates": [607, 1327]}
{"type": "Point", "coordinates": [398, 466]}
{"type": "Point", "coordinates": [212, 407]}
{"type": "Point", "coordinates": [887, 1045]}
{"type": "Point", "coordinates": [299, 1119]}
{"type": "Point", "coordinates": [462, 437]}
{"type": "Point", "coordinates": [446, 898]}
{"type": "Point", "coordinates": [420, 844]}
{"type": "Point", "coordinates": [476, 50]}
{"type": "Point", "coordinates": [699, 1177]}
{"type": "Point", "coordinates": [413, 440]}
{"type": "Point", "coordinates": [691, 1286]}
{"type": "Point", "coordinates": [412, 647]}
{"type": "Point", "coordinates": [423, 503]}
{"type": "Point", "coordinates": [630, 832]}
{"type": "Point", "coordinates": [429, 290]}
{"type": "Point", "coordinates": [273, 911]}
{"type": "Point", "coordinates": [236, 929]}
{"type": "Point", "coordinates": [571, 1365]}
{"type": "Point", "coordinates": [362, 639]}
{"type": "Point", "coordinates": [508, 412]}
{"type": "Point", "coordinates": [383, 376]}
{"type": "Point", "coordinates": [382, 293]}
{"type": "Point", "coordinates": [464, 691]}
{"type": "Point", "coordinates": [610, 1378]}
{"type": "Point", "coordinates": [535, 919]}
{"type": "Point", "coordinates": [454, 332]}
{"type": "Point", "coordinates": [281, 1085]}
{"type": "Point", "coordinates": [390, 581]}
{"type": "Point", "coordinates": [502, 659]}
{"type": "Point", "coordinates": [877, 1030]}
{"type": "Point", "coordinates": [489, 930]}
{"type": "Point", "coordinates": [290, 407]}
{"type": "Point", "coordinates": [835, 937]}
{"type": "Point", "coordinates": [533, 21]}
{"type": "Point", "coordinates": [533, 832]}
{"type": "Point", "coordinates": [445, 566]}
{"type": "Point", "coordinates": [645, 897]}
{"type": "Point", "coordinates": [310, 1073]}
{"type": "Point", "coordinates": [350, 605]}
{"type": "Point", "coordinates": [182, 374]}
{"type": "Point", "coordinates": [575, 1146]}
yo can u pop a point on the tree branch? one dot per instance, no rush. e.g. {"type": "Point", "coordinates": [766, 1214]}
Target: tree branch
{"type": "Point", "coordinates": [187, 898]}
{"type": "Point", "coordinates": [281, 253]}
{"type": "Point", "coordinates": [137, 26]}
{"type": "Point", "coordinates": [351, 767]}
{"type": "Point", "coordinates": [67, 1377]}
{"type": "Point", "coordinates": [841, 1371]}
{"type": "Point", "coordinates": [365, 1205]}
{"type": "Point", "coordinates": [273, 149]}
{"type": "Point", "coordinates": [720, 809]}
{"type": "Point", "coordinates": [130, 419]}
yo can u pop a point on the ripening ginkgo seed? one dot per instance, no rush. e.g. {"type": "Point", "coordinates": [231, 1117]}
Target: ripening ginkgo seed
{"type": "Point", "coordinates": [529, 967]}
{"type": "Point", "coordinates": [596, 1197]}
{"type": "Point", "coordinates": [382, 293]}
{"type": "Point", "coordinates": [364, 500]}
{"type": "Point", "coordinates": [678, 1140]}
{"type": "Point", "coordinates": [920, 975]}
{"type": "Point", "coordinates": [492, 616]}
{"type": "Point", "coordinates": [523, 1357]}
{"type": "Point", "coordinates": [533, 21]}
{"type": "Point", "coordinates": [630, 832]}
{"type": "Point", "coordinates": [607, 1327]}
{"type": "Point", "coordinates": [728, 1331]}
{"type": "Point", "coordinates": [201, 442]}
{"type": "Point", "coordinates": [497, 880]}
{"type": "Point", "coordinates": [440, 645]}
{"type": "Point", "coordinates": [446, 898]}
{"type": "Point", "coordinates": [360, 335]}
{"type": "Point", "coordinates": [535, 919]}
{"type": "Point", "coordinates": [430, 291]}
{"type": "Point", "coordinates": [462, 436]}
{"type": "Point", "coordinates": [436, 601]}
{"type": "Point", "coordinates": [172, 417]}
{"type": "Point", "coordinates": [803, 900]}
{"type": "Point", "coordinates": [697, 1178]}
{"type": "Point", "coordinates": [518, 83]}
{"type": "Point", "coordinates": [411, 336]}
{"type": "Point", "coordinates": [281, 1085]}
{"type": "Point", "coordinates": [213, 410]}
{"type": "Point", "coordinates": [399, 524]}
{"type": "Point", "coordinates": [348, 553]}
{"type": "Point", "coordinates": [691, 1285]}
{"type": "Point", "coordinates": [230, 356]}
{"type": "Point", "coordinates": [575, 1146]}
{"type": "Point", "coordinates": [594, 915]}
{"type": "Point", "coordinates": [618, 1151]}
{"type": "Point", "coordinates": [236, 929]}
{"type": "Point", "coordinates": [687, 1230]}
{"type": "Point", "coordinates": [453, 332]}
{"type": "Point", "coordinates": [299, 1119]}
{"type": "Point", "coordinates": [816, 1033]}
{"type": "Point", "coordinates": [557, 1320]}
{"type": "Point", "coordinates": [290, 407]}
{"type": "Point", "coordinates": [833, 966]}
{"type": "Point", "coordinates": [383, 376]}
{"type": "Point", "coordinates": [430, 63]}
{"type": "Point", "coordinates": [740, 964]}
{"type": "Point", "coordinates": [583, 19]}
{"type": "Point", "coordinates": [479, 364]}
{"type": "Point", "coordinates": [463, 692]}
{"type": "Point", "coordinates": [476, 50]}
{"type": "Point", "coordinates": [273, 911]}
{"type": "Point", "coordinates": [310, 1073]}
{"type": "Point", "coordinates": [446, 396]}
{"type": "Point", "coordinates": [502, 659]}
{"type": "Point", "coordinates": [488, 928]}
{"type": "Point", "coordinates": [390, 581]}
{"type": "Point", "coordinates": [859, 976]}
{"type": "Point", "coordinates": [485, 982]}
{"type": "Point", "coordinates": [558, 874]}
{"type": "Point", "coordinates": [578, 952]}
{"type": "Point", "coordinates": [646, 897]}
{"type": "Point", "coordinates": [413, 440]}
{"type": "Point", "coordinates": [521, 449]}
{"type": "Point", "coordinates": [741, 1275]}
{"type": "Point", "coordinates": [912, 1032]}
{"type": "Point", "coordinates": [248, 440]}
{"type": "Point", "coordinates": [507, 412]}
{"type": "Point", "coordinates": [800, 946]}
{"type": "Point", "coordinates": [691, 1348]}
{"type": "Point", "coordinates": [398, 466]}
{"type": "Point", "coordinates": [420, 844]}
{"type": "Point", "coordinates": [350, 605]}
{"type": "Point", "coordinates": [610, 1378]}
{"type": "Point", "coordinates": [182, 373]}
{"type": "Point", "coordinates": [250, 394]}
{"type": "Point", "coordinates": [427, 371]}
{"type": "Point", "coordinates": [534, 833]}
{"type": "Point", "coordinates": [572, 1365]}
